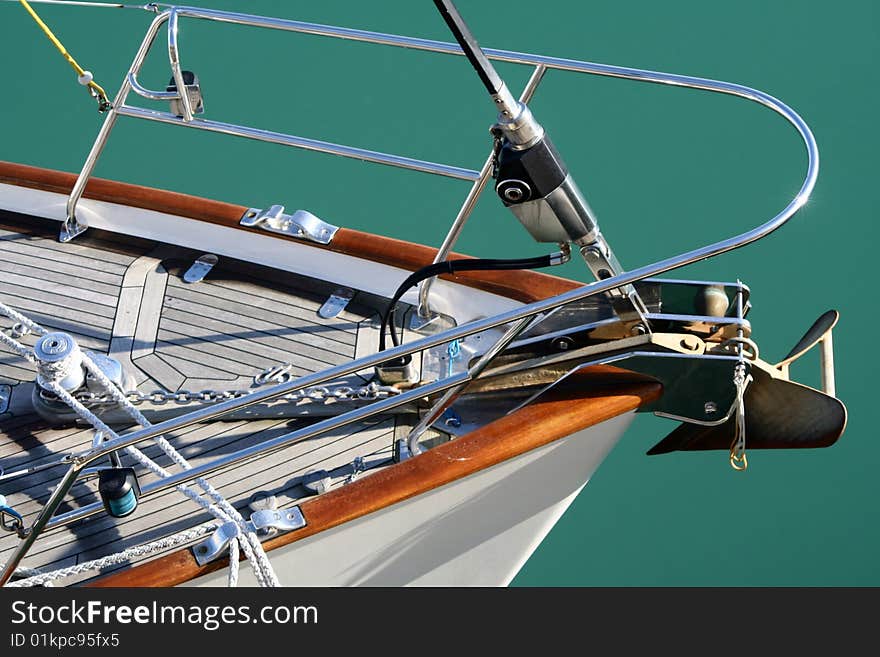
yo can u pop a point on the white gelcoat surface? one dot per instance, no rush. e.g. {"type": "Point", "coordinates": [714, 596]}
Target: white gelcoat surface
{"type": "Point", "coordinates": [476, 531]}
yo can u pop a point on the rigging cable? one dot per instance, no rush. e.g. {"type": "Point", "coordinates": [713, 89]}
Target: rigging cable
{"type": "Point", "coordinates": [84, 77]}
{"type": "Point", "coordinates": [150, 6]}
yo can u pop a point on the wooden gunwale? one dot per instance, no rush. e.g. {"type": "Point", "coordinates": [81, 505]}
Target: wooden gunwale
{"type": "Point", "coordinates": [524, 286]}
{"type": "Point", "coordinates": [594, 396]}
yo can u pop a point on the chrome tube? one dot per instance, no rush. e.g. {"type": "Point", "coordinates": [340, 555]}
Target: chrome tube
{"type": "Point", "coordinates": [470, 201]}
{"type": "Point", "coordinates": [303, 143]}
{"type": "Point", "coordinates": [176, 72]}
{"type": "Point", "coordinates": [464, 212]}
{"type": "Point", "coordinates": [41, 522]}
{"type": "Point", "coordinates": [545, 305]}
{"type": "Point", "coordinates": [542, 306]}
{"type": "Point", "coordinates": [520, 315]}
{"type": "Point", "coordinates": [271, 445]}
{"type": "Point", "coordinates": [440, 405]}
{"type": "Point", "coordinates": [511, 56]}
{"type": "Point", "coordinates": [558, 63]}
{"type": "Point", "coordinates": [72, 226]}
{"type": "Point", "coordinates": [141, 90]}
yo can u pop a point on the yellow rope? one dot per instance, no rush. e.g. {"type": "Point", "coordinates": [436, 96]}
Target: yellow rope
{"type": "Point", "coordinates": [96, 89]}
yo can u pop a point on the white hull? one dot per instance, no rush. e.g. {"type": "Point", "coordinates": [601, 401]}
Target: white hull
{"type": "Point", "coordinates": [476, 531]}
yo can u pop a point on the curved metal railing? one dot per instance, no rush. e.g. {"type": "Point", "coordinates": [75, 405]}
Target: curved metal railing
{"type": "Point", "coordinates": [518, 318]}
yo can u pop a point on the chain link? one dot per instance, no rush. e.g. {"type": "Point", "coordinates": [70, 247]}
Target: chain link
{"type": "Point", "coordinates": [323, 394]}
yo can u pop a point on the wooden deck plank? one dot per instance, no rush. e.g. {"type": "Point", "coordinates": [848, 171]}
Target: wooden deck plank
{"type": "Point", "coordinates": [91, 337]}
{"type": "Point", "coordinates": [147, 324]}
{"type": "Point", "coordinates": [156, 515]}
{"type": "Point", "coordinates": [255, 296]}
{"type": "Point", "coordinates": [29, 300]}
{"type": "Point", "coordinates": [242, 351]}
{"type": "Point", "coordinates": [284, 338]}
{"type": "Point", "coordinates": [213, 356]}
{"type": "Point", "coordinates": [71, 250]}
{"type": "Point", "coordinates": [21, 446]}
{"type": "Point", "coordinates": [13, 369]}
{"type": "Point", "coordinates": [250, 317]}
{"type": "Point", "coordinates": [164, 377]}
{"type": "Point", "coordinates": [11, 253]}
{"type": "Point", "coordinates": [307, 294]}
{"type": "Point", "coordinates": [75, 277]}
{"type": "Point", "coordinates": [217, 334]}
{"type": "Point", "coordinates": [195, 369]}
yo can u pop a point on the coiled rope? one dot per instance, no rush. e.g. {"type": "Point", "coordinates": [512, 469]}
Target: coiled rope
{"type": "Point", "coordinates": [50, 374]}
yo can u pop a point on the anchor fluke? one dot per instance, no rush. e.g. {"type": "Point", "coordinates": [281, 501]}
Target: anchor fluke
{"type": "Point", "coordinates": [780, 414]}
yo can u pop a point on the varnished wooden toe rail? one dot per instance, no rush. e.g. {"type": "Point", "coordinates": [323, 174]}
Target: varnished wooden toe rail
{"type": "Point", "coordinates": [525, 286]}
{"type": "Point", "coordinates": [588, 399]}
{"type": "Point", "coordinates": [582, 404]}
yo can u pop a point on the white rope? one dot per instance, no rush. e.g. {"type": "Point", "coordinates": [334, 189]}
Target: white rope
{"type": "Point", "coordinates": [48, 377]}
{"type": "Point", "coordinates": [58, 370]}
{"type": "Point", "coordinates": [250, 543]}
{"type": "Point", "coordinates": [738, 459]}
{"type": "Point", "coordinates": [23, 572]}
{"type": "Point", "coordinates": [12, 313]}
{"type": "Point", "coordinates": [41, 579]}
{"type": "Point", "coordinates": [28, 572]}
{"type": "Point", "coordinates": [22, 350]}
{"type": "Point", "coordinates": [233, 564]}
{"type": "Point", "coordinates": [222, 510]}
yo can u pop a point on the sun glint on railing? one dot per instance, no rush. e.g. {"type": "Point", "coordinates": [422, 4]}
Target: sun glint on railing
{"type": "Point", "coordinates": [516, 319]}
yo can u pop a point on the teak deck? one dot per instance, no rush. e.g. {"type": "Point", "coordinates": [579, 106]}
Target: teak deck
{"type": "Point", "coordinates": [126, 297]}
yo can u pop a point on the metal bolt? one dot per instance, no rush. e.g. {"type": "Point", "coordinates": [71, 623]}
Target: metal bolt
{"type": "Point", "coordinates": [638, 329]}
{"type": "Point", "coordinates": [513, 193]}
{"type": "Point", "coordinates": [690, 343]}
{"type": "Point", "coordinates": [710, 408]}
{"type": "Point", "coordinates": [54, 344]}
{"type": "Point", "coordinates": [591, 252]}
{"type": "Point", "coordinates": [562, 344]}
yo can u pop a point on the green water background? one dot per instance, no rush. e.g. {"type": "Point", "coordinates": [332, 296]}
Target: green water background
{"type": "Point", "coordinates": [665, 169]}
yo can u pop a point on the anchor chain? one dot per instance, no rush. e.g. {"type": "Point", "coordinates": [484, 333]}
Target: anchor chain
{"type": "Point", "coordinates": [317, 394]}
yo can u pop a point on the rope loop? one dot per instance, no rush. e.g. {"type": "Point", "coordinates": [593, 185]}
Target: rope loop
{"type": "Point", "coordinates": [738, 459]}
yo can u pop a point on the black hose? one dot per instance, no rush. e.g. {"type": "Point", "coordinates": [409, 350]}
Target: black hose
{"type": "Point", "coordinates": [449, 267]}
